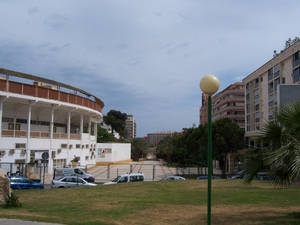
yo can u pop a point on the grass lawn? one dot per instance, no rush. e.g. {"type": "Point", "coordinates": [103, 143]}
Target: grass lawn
{"type": "Point", "coordinates": [161, 202]}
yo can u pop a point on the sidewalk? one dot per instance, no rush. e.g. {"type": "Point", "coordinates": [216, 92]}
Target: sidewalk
{"type": "Point", "coordinates": [22, 222]}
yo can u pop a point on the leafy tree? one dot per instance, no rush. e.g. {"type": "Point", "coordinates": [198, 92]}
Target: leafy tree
{"type": "Point", "coordinates": [116, 120]}
{"type": "Point", "coordinates": [196, 144]}
{"type": "Point", "coordinates": [177, 143]}
{"type": "Point", "coordinates": [228, 139]}
{"type": "Point", "coordinates": [137, 148]}
{"type": "Point", "coordinates": [103, 136]}
{"type": "Point", "coordinates": [280, 155]}
{"type": "Point", "coordinates": [165, 149]}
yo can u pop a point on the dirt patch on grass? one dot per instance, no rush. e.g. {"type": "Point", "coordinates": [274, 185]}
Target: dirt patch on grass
{"type": "Point", "coordinates": [225, 215]}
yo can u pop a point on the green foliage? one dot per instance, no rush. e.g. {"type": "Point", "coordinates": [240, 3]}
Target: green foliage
{"type": "Point", "coordinates": [137, 148]}
{"type": "Point", "coordinates": [228, 136]}
{"type": "Point", "coordinates": [31, 162]}
{"type": "Point", "coordinates": [75, 159]}
{"type": "Point", "coordinates": [165, 149]}
{"type": "Point", "coordinates": [103, 136]}
{"type": "Point", "coordinates": [116, 120]}
{"type": "Point", "coordinates": [12, 201]}
{"type": "Point", "coordinates": [280, 156]}
{"type": "Point", "coordinates": [192, 143]}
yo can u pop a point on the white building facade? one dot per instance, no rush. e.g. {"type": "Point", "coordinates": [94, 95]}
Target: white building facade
{"type": "Point", "coordinates": [47, 121]}
{"type": "Point", "coordinates": [274, 83]}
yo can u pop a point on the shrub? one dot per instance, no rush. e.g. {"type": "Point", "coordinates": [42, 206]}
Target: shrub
{"type": "Point", "coordinates": [12, 201]}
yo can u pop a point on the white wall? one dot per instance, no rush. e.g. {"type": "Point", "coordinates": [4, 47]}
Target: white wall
{"type": "Point", "coordinates": [113, 152]}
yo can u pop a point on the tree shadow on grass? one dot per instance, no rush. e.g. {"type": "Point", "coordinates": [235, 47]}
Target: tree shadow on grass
{"type": "Point", "coordinates": [258, 217]}
{"type": "Point", "coordinates": [295, 215]}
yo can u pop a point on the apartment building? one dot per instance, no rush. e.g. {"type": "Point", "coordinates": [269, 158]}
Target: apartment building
{"type": "Point", "coordinates": [276, 82]}
{"type": "Point", "coordinates": [154, 138]}
{"type": "Point", "coordinates": [203, 112]}
{"type": "Point", "coordinates": [228, 103]}
{"type": "Point", "coordinates": [130, 127]}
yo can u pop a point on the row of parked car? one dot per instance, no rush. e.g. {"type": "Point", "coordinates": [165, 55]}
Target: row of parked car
{"type": "Point", "coordinates": [62, 178]}
{"type": "Point", "coordinates": [75, 177]}
{"type": "Point", "coordinates": [204, 177]}
{"type": "Point", "coordinates": [21, 183]}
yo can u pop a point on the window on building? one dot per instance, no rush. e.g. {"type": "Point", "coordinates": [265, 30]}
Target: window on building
{"type": "Point", "coordinates": [276, 82]}
{"type": "Point", "coordinates": [21, 121]}
{"type": "Point", "coordinates": [276, 68]}
{"type": "Point", "coordinates": [17, 126]}
{"type": "Point", "coordinates": [256, 94]}
{"type": "Point", "coordinates": [270, 88]}
{"type": "Point", "coordinates": [256, 83]}
{"type": "Point", "coordinates": [7, 119]}
{"type": "Point", "coordinates": [64, 146]}
{"type": "Point", "coordinates": [256, 116]}
{"type": "Point", "coordinates": [12, 126]}
{"type": "Point", "coordinates": [271, 103]}
{"type": "Point", "coordinates": [296, 59]}
{"type": "Point", "coordinates": [54, 129]}
{"type": "Point", "coordinates": [270, 74]}
{"type": "Point", "coordinates": [20, 145]}
{"type": "Point", "coordinates": [296, 75]}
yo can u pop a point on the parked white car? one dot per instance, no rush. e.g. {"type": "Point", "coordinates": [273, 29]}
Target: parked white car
{"type": "Point", "coordinates": [70, 181]}
{"type": "Point", "coordinates": [129, 177]}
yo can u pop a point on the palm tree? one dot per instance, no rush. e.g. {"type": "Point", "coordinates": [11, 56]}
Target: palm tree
{"type": "Point", "coordinates": [280, 156]}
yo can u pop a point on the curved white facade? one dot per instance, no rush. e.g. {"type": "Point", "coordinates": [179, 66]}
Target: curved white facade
{"type": "Point", "coordinates": [38, 117]}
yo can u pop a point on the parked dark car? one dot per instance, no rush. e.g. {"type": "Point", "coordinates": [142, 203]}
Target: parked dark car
{"type": "Point", "coordinates": [238, 175]}
{"type": "Point", "coordinates": [205, 177]}
{"type": "Point", "coordinates": [20, 182]}
{"type": "Point", "coordinates": [263, 176]}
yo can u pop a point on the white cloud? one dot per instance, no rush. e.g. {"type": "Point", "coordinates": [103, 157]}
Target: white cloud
{"type": "Point", "coordinates": [144, 58]}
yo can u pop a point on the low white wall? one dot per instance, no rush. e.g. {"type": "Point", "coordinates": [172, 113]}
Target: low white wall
{"type": "Point", "coordinates": [113, 152]}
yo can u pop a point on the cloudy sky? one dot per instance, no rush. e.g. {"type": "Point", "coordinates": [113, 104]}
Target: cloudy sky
{"type": "Point", "coordinates": [145, 57]}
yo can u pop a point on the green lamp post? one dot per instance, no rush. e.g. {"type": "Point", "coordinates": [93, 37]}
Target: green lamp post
{"type": "Point", "coordinates": [209, 85]}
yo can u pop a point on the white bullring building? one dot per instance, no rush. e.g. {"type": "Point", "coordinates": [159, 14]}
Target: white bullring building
{"type": "Point", "coordinates": [44, 119]}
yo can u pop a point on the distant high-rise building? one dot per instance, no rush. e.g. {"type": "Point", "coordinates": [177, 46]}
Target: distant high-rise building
{"type": "Point", "coordinates": [130, 127]}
